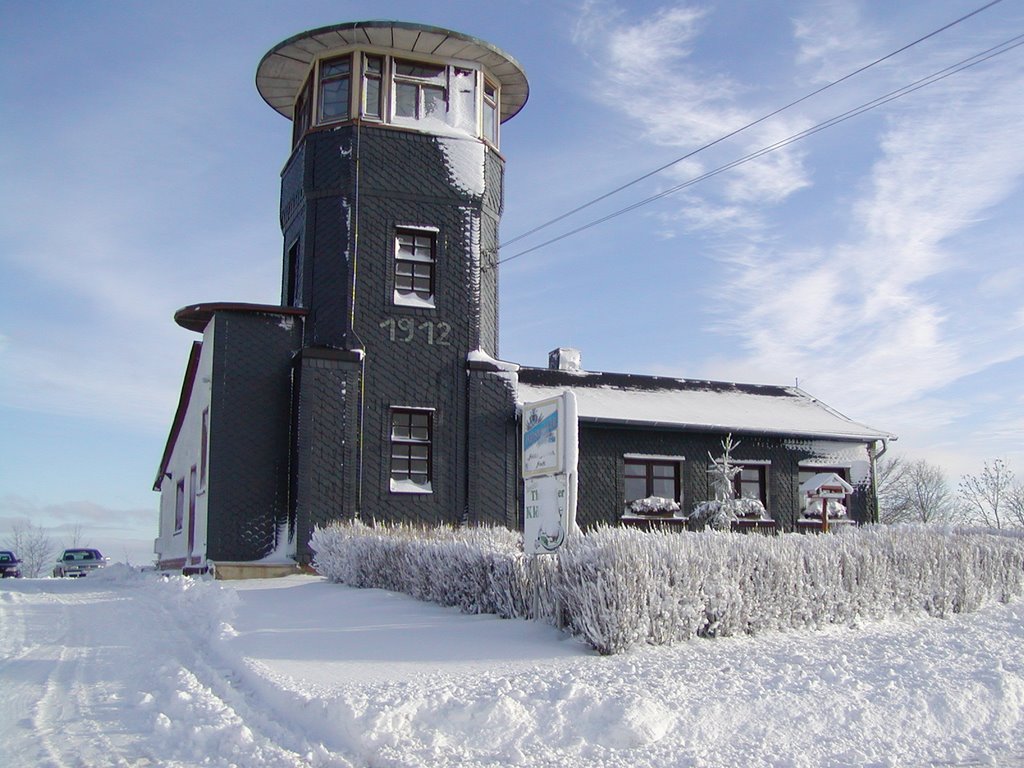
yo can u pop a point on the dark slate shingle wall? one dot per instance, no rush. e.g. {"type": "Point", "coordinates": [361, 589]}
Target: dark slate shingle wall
{"type": "Point", "coordinates": [325, 455]}
{"type": "Point", "coordinates": [249, 429]}
{"type": "Point", "coordinates": [602, 484]}
{"type": "Point", "coordinates": [357, 185]}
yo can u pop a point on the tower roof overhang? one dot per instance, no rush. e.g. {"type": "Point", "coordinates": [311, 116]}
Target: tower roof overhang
{"type": "Point", "coordinates": [283, 70]}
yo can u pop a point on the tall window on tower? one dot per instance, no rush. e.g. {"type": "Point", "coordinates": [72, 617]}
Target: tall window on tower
{"type": "Point", "coordinates": [415, 258]}
{"type": "Point", "coordinates": [373, 72]}
{"type": "Point", "coordinates": [335, 89]}
{"type": "Point", "coordinates": [490, 112]}
{"type": "Point", "coordinates": [411, 440]}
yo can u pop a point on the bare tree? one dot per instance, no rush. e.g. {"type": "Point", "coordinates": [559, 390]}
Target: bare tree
{"type": "Point", "coordinates": [915, 491]}
{"type": "Point", "coordinates": [1015, 504]}
{"type": "Point", "coordinates": [987, 499]}
{"type": "Point", "coordinates": [32, 544]}
{"type": "Point", "coordinates": [888, 475]}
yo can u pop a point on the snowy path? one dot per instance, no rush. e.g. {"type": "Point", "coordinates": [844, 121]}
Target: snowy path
{"type": "Point", "coordinates": [130, 671]}
{"type": "Point", "coordinates": [98, 672]}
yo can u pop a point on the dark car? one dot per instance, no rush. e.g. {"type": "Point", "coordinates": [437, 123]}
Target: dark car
{"type": "Point", "coordinates": [78, 562]}
{"type": "Point", "coordinates": [9, 563]}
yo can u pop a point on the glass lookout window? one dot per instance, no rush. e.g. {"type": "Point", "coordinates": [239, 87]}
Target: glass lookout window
{"type": "Point", "coordinates": [490, 113]}
{"type": "Point", "coordinates": [420, 89]}
{"type": "Point", "coordinates": [399, 91]}
{"type": "Point", "coordinates": [335, 82]}
{"type": "Point", "coordinates": [373, 90]}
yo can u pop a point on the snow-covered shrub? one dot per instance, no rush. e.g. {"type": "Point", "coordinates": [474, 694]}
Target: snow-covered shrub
{"type": "Point", "coordinates": [625, 586]}
{"type": "Point", "coordinates": [604, 588]}
{"type": "Point", "coordinates": [656, 506]}
{"type": "Point", "coordinates": [479, 570]}
{"type": "Point", "coordinates": [616, 587]}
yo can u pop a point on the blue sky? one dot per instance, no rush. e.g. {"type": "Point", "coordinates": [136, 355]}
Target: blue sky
{"type": "Point", "coordinates": [878, 262]}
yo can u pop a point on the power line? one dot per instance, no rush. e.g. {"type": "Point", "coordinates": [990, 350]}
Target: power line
{"type": "Point", "coordinates": [737, 131]}
{"type": "Point", "coordinates": [942, 74]}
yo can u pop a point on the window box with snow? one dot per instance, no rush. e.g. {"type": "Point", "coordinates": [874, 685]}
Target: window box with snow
{"type": "Point", "coordinates": [652, 489]}
{"type": "Point", "coordinates": [653, 506]}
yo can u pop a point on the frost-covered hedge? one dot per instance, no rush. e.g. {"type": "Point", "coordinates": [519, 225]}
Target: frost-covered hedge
{"type": "Point", "coordinates": [616, 587]}
{"type": "Point", "coordinates": [479, 570]}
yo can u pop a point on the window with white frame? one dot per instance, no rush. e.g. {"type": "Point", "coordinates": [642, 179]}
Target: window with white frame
{"type": "Point", "coordinates": [415, 259]}
{"type": "Point", "coordinates": [490, 112]}
{"type": "Point", "coordinates": [421, 89]}
{"type": "Point", "coordinates": [373, 86]}
{"type": "Point", "coordinates": [300, 111]}
{"type": "Point", "coordinates": [411, 450]}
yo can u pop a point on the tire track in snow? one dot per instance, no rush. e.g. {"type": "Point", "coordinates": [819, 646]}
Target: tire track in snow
{"type": "Point", "coordinates": [127, 676]}
{"type": "Point", "coordinates": [210, 701]}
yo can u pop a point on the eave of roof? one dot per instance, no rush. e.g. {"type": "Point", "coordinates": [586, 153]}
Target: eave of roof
{"type": "Point", "coordinates": [195, 317]}
{"type": "Point", "coordinates": [179, 414]}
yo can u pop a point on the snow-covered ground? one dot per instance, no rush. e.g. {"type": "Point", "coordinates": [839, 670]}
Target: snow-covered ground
{"type": "Point", "coordinates": [125, 669]}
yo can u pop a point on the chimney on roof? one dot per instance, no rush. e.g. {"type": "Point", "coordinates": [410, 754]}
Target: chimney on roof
{"type": "Point", "coordinates": [564, 359]}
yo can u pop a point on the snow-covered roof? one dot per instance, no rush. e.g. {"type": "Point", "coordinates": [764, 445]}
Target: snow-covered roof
{"type": "Point", "coordinates": [654, 401]}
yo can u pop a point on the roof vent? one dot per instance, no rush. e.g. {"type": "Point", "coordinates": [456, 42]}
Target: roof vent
{"type": "Point", "coordinates": [564, 359]}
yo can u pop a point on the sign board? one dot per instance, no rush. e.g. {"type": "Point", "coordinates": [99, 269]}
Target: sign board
{"type": "Point", "coordinates": [543, 437]}
{"type": "Point", "coordinates": [545, 518]}
{"type": "Point", "coordinates": [549, 458]}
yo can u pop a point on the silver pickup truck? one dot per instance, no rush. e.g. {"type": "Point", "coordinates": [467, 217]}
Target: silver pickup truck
{"type": "Point", "coordinates": [78, 562]}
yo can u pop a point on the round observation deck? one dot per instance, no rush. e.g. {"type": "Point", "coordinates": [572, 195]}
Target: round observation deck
{"type": "Point", "coordinates": [284, 69]}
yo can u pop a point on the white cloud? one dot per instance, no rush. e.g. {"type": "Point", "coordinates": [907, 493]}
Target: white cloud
{"type": "Point", "coordinates": [832, 38]}
{"type": "Point", "coordinates": [894, 280]}
{"type": "Point", "coordinates": [646, 70]}
{"type": "Point", "coordinates": [125, 218]}
{"type": "Point", "coordinates": [897, 307]}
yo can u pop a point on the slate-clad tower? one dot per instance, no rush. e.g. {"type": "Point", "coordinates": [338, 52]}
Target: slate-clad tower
{"type": "Point", "coordinates": [390, 204]}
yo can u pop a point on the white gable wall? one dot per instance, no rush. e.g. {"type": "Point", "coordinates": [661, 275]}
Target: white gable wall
{"type": "Point", "coordinates": [172, 545]}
